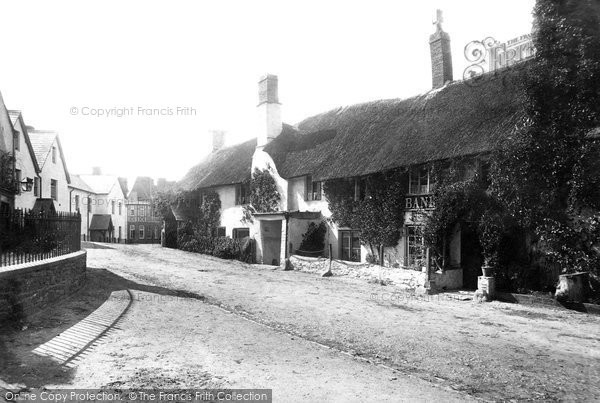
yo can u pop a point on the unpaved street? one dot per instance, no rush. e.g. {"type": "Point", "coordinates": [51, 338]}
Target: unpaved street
{"type": "Point", "coordinates": [198, 321]}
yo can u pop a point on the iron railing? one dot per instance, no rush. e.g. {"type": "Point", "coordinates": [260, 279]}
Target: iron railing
{"type": "Point", "coordinates": [27, 236]}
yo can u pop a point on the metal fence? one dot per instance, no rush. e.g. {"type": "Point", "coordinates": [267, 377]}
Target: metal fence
{"type": "Point", "coordinates": [27, 236]}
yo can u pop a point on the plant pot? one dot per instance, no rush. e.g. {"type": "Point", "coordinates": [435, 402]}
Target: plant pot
{"type": "Point", "coordinates": [487, 271]}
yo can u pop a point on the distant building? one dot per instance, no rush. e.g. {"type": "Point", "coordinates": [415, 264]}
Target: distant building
{"type": "Point", "coordinates": [54, 176]}
{"type": "Point", "coordinates": [143, 222]}
{"type": "Point", "coordinates": [81, 201]}
{"type": "Point", "coordinates": [106, 207]}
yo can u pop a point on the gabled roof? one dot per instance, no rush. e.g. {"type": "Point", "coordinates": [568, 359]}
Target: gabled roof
{"type": "Point", "coordinates": [143, 188]}
{"type": "Point", "coordinates": [100, 184]}
{"type": "Point", "coordinates": [42, 141]}
{"type": "Point", "coordinates": [78, 183]}
{"type": "Point", "coordinates": [17, 118]}
{"type": "Point", "coordinates": [227, 166]}
{"type": "Point", "coordinates": [101, 222]}
{"type": "Point", "coordinates": [43, 205]}
{"type": "Point", "coordinates": [14, 115]}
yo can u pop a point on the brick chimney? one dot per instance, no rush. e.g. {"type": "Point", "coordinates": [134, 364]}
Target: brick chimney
{"type": "Point", "coordinates": [269, 110]}
{"type": "Point", "coordinates": [218, 139]}
{"type": "Point", "coordinates": [441, 55]}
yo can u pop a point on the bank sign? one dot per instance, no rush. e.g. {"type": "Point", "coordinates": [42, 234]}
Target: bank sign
{"type": "Point", "coordinates": [419, 202]}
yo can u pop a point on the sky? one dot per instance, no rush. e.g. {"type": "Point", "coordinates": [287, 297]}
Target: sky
{"type": "Point", "coordinates": [166, 73]}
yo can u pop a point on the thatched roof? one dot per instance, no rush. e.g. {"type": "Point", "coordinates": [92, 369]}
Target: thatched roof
{"type": "Point", "coordinates": [457, 120]}
{"type": "Point", "coordinates": [227, 166]}
{"type": "Point", "coordinates": [460, 119]}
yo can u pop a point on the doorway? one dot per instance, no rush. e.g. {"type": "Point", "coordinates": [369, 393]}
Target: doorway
{"type": "Point", "coordinates": [270, 234]}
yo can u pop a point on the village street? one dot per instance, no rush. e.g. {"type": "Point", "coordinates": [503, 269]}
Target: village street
{"type": "Point", "coordinates": [198, 321]}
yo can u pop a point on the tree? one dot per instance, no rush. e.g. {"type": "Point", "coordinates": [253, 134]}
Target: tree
{"type": "Point", "coordinates": [545, 171]}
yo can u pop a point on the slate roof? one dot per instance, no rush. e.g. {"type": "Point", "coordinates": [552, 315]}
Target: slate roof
{"type": "Point", "coordinates": [41, 142]}
{"type": "Point", "coordinates": [101, 222]}
{"type": "Point", "coordinates": [78, 183]}
{"type": "Point", "coordinates": [15, 117]}
{"type": "Point", "coordinates": [100, 184]}
{"type": "Point", "coordinates": [143, 188]}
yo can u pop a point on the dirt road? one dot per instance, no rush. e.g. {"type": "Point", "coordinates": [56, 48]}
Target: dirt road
{"type": "Point", "coordinates": [490, 351]}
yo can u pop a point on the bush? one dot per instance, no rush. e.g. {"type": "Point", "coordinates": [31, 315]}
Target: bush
{"type": "Point", "coordinates": [222, 247]}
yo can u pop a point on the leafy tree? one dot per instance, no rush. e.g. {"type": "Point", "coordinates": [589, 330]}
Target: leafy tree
{"type": "Point", "coordinates": [264, 196]}
{"type": "Point", "coordinates": [546, 171]}
{"type": "Point", "coordinates": [7, 180]}
{"type": "Point", "coordinates": [378, 215]}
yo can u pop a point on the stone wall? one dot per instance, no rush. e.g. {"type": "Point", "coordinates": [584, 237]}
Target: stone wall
{"type": "Point", "coordinates": [402, 278]}
{"type": "Point", "coordinates": [28, 287]}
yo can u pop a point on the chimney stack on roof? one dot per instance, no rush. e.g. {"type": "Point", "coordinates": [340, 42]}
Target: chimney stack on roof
{"type": "Point", "coordinates": [269, 110]}
{"type": "Point", "coordinates": [96, 171]}
{"type": "Point", "coordinates": [441, 54]}
{"type": "Point", "coordinates": [218, 139]}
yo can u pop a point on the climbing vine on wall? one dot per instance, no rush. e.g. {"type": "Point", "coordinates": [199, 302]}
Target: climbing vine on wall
{"type": "Point", "coordinates": [377, 209]}
{"type": "Point", "coordinates": [7, 180]}
{"type": "Point", "coordinates": [264, 196]}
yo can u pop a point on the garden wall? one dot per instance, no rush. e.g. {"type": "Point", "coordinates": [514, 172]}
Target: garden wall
{"type": "Point", "coordinates": [28, 287]}
{"type": "Point", "coordinates": [403, 278]}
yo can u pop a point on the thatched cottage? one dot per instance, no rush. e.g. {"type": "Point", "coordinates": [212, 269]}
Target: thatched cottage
{"type": "Point", "coordinates": [454, 120]}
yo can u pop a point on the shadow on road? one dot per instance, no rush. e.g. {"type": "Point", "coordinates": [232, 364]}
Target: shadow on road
{"type": "Point", "coordinates": [20, 367]}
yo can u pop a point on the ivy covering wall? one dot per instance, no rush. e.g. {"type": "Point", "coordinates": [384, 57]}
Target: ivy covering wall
{"type": "Point", "coordinates": [374, 205]}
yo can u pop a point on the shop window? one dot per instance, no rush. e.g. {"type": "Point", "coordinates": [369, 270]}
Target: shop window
{"type": "Point", "coordinates": [350, 246]}
{"type": "Point", "coordinates": [416, 251]}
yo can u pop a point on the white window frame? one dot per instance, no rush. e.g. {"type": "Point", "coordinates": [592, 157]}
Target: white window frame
{"type": "Point", "coordinates": [132, 231]}
{"type": "Point", "coordinates": [419, 186]}
{"type": "Point", "coordinates": [141, 232]}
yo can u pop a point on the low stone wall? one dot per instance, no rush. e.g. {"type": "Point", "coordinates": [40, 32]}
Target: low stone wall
{"type": "Point", "coordinates": [403, 278]}
{"type": "Point", "coordinates": [28, 287]}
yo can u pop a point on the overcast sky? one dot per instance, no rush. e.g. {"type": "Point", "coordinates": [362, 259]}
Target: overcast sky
{"type": "Point", "coordinates": [209, 55]}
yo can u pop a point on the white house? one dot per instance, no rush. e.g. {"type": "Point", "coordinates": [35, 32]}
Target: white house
{"type": "Point", "coordinates": [26, 165]}
{"type": "Point", "coordinates": [54, 176]}
{"type": "Point", "coordinates": [108, 221]}
{"type": "Point", "coordinates": [81, 195]}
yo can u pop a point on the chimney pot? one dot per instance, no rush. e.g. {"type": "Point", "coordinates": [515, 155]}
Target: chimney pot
{"type": "Point", "coordinates": [218, 139]}
{"type": "Point", "coordinates": [441, 54]}
{"type": "Point", "coordinates": [267, 90]}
